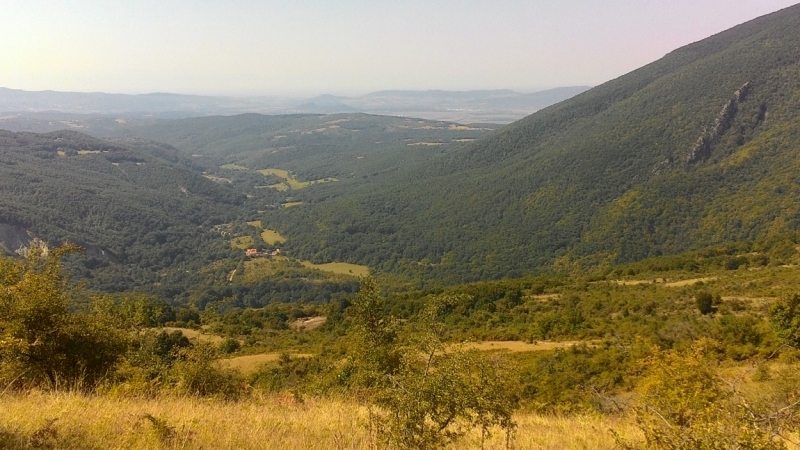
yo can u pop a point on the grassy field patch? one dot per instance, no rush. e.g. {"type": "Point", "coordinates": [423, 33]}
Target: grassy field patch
{"type": "Point", "coordinates": [269, 421]}
{"type": "Point", "coordinates": [272, 237]}
{"type": "Point", "coordinates": [290, 182]}
{"type": "Point", "coordinates": [277, 172]}
{"type": "Point", "coordinates": [291, 204]}
{"type": "Point", "coordinates": [196, 334]}
{"type": "Point", "coordinates": [308, 323]}
{"type": "Point", "coordinates": [250, 363]}
{"type": "Point", "coordinates": [339, 268]}
{"type": "Point", "coordinates": [520, 346]}
{"type": "Point", "coordinates": [664, 282]}
{"type": "Point", "coordinates": [255, 223]}
{"type": "Point", "coordinates": [690, 282]}
{"type": "Point", "coordinates": [242, 242]}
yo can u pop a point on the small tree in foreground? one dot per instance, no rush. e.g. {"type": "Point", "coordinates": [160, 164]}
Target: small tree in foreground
{"type": "Point", "coordinates": [426, 394]}
{"type": "Point", "coordinates": [43, 343]}
{"type": "Point", "coordinates": [685, 405]}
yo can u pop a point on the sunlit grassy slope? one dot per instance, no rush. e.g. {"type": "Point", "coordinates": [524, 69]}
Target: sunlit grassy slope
{"type": "Point", "coordinates": [276, 422]}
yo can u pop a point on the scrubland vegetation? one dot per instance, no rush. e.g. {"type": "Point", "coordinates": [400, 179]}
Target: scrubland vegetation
{"type": "Point", "coordinates": [641, 360]}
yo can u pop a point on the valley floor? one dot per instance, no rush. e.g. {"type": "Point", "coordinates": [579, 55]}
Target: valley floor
{"type": "Point", "coordinates": [75, 421]}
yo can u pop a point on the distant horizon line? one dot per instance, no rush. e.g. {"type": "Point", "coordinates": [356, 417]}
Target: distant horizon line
{"type": "Point", "coordinates": [295, 95]}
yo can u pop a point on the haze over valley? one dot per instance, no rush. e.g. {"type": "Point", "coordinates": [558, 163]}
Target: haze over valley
{"type": "Point", "coordinates": [494, 106]}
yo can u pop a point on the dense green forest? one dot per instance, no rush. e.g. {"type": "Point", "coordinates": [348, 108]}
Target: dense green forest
{"type": "Point", "coordinates": [144, 214]}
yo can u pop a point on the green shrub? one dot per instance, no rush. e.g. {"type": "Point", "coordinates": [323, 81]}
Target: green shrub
{"type": "Point", "coordinates": [43, 343]}
{"type": "Point", "coordinates": [685, 405]}
{"type": "Point", "coordinates": [196, 373]}
{"type": "Point", "coordinates": [229, 345]}
{"type": "Point", "coordinates": [705, 302]}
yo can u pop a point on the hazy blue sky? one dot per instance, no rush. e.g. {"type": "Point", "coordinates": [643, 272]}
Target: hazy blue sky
{"type": "Point", "coordinates": [307, 47]}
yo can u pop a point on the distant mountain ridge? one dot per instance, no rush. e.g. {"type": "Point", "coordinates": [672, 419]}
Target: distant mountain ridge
{"type": "Point", "coordinates": [160, 104]}
{"type": "Point", "coordinates": [500, 106]}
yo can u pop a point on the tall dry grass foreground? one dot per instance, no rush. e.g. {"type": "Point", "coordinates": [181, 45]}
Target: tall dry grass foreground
{"type": "Point", "coordinates": [75, 421]}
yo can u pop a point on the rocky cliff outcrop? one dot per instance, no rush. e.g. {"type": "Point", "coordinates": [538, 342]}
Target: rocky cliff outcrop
{"type": "Point", "coordinates": [12, 238]}
{"type": "Point", "coordinates": [705, 143]}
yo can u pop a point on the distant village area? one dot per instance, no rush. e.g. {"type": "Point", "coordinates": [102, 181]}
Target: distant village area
{"type": "Point", "coordinates": [254, 253]}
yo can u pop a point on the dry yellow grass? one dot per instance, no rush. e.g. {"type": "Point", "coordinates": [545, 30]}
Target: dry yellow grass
{"type": "Point", "coordinates": [632, 282]}
{"type": "Point", "coordinates": [250, 363]}
{"type": "Point", "coordinates": [277, 172]}
{"type": "Point", "coordinates": [339, 268]}
{"type": "Point", "coordinates": [195, 334]}
{"type": "Point", "coordinates": [690, 282]}
{"type": "Point", "coordinates": [519, 346]}
{"type": "Point", "coordinates": [756, 301]}
{"type": "Point", "coordinates": [662, 282]}
{"type": "Point", "coordinates": [292, 204]}
{"type": "Point", "coordinates": [255, 224]}
{"type": "Point", "coordinates": [279, 422]}
{"type": "Point", "coordinates": [308, 323]}
{"type": "Point", "coordinates": [543, 296]}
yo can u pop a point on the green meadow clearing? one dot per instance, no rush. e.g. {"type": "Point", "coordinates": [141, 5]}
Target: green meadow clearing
{"type": "Point", "coordinates": [290, 182]}
{"type": "Point", "coordinates": [339, 268]}
{"type": "Point", "coordinates": [272, 237]}
{"type": "Point", "coordinates": [242, 242]}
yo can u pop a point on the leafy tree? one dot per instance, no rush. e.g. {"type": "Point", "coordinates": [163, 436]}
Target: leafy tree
{"type": "Point", "coordinates": [426, 394]}
{"type": "Point", "coordinates": [42, 343]}
{"type": "Point", "coordinates": [785, 315]}
{"type": "Point", "coordinates": [705, 302]}
{"type": "Point", "coordinates": [376, 354]}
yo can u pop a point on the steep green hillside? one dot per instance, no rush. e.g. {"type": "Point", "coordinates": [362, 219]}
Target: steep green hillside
{"type": "Point", "coordinates": [700, 147]}
{"type": "Point", "coordinates": [134, 210]}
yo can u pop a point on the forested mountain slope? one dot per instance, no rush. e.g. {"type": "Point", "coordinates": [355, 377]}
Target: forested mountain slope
{"type": "Point", "coordinates": [698, 148]}
{"type": "Point", "coordinates": [135, 207]}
